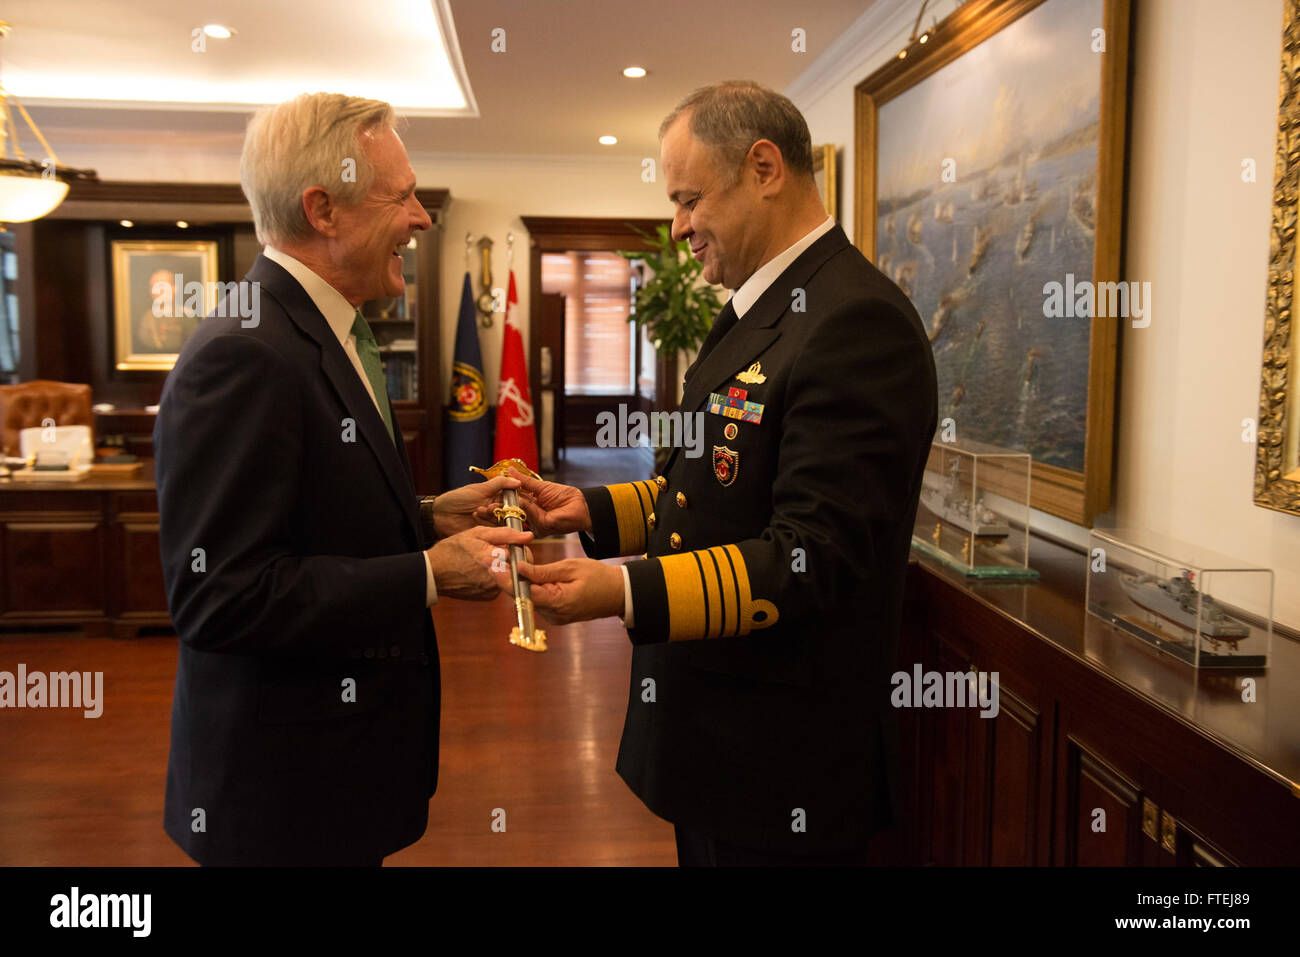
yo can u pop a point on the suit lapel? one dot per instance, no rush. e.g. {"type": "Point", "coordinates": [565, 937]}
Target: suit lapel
{"type": "Point", "coordinates": [758, 328]}
{"type": "Point", "coordinates": [343, 378]}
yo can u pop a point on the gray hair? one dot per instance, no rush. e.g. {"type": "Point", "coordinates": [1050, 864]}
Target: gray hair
{"type": "Point", "coordinates": [731, 117]}
{"type": "Point", "coordinates": [304, 142]}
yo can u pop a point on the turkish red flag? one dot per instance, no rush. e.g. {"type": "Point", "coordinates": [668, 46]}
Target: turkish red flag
{"type": "Point", "coordinates": [516, 438]}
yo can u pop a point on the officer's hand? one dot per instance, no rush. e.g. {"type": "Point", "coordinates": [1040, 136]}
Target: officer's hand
{"type": "Point", "coordinates": [475, 564]}
{"type": "Point", "coordinates": [552, 509]}
{"type": "Point", "coordinates": [469, 506]}
{"type": "Point", "coordinates": [575, 589]}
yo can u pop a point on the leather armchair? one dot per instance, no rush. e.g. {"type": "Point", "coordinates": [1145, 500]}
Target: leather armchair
{"type": "Point", "coordinates": [28, 404]}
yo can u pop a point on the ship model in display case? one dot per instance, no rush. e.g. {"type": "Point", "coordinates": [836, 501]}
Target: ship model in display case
{"type": "Point", "coordinates": [973, 514]}
{"type": "Point", "coordinates": [1206, 609]}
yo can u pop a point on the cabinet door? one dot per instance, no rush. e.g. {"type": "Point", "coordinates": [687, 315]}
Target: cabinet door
{"type": "Point", "coordinates": [1007, 816]}
{"type": "Point", "coordinates": [53, 566]}
{"type": "Point", "coordinates": [1102, 823]}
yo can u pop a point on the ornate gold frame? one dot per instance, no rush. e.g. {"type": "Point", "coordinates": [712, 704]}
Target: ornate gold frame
{"type": "Point", "coordinates": [1074, 496]}
{"type": "Point", "coordinates": [1277, 447]}
{"type": "Point", "coordinates": [122, 252]}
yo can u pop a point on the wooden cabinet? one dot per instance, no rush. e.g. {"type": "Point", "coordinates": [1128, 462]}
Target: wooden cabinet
{"type": "Point", "coordinates": [1101, 751]}
{"type": "Point", "coordinates": [81, 555]}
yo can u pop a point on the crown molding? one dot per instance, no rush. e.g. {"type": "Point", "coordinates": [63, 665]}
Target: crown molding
{"type": "Point", "coordinates": [868, 42]}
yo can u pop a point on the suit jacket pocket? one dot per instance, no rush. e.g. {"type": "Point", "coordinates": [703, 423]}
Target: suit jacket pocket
{"type": "Point", "coordinates": [310, 693]}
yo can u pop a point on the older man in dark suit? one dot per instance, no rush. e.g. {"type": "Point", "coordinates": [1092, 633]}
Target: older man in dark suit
{"type": "Point", "coordinates": [786, 541]}
{"type": "Point", "coordinates": [299, 564]}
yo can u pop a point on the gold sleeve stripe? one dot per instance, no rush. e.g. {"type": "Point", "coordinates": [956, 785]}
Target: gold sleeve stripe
{"type": "Point", "coordinates": [630, 514]}
{"type": "Point", "coordinates": [708, 594]}
{"type": "Point", "coordinates": [685, 590]}
{"type": "Point", "coordinates": [712, 594]}
{"type": "Point", "coordinates": [647, 492]}
{"type": "Point", "coordinates": [727, 582]}
{"type": "Point", "coordinates": [741, 574]}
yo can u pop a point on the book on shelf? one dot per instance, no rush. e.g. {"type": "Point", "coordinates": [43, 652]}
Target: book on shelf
{"type": "Point", "coordinates": [399, 372]}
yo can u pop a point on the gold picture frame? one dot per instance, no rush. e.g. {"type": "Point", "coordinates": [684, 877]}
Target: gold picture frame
{"type": "Point", "coordinates": [1277, 445]}
{"type": "Point", "coordinates": [824, 174]}
{"type": "Point", "coordinates": [154, 313]}
{"type": "Point", "coordinates": [1081, 489]}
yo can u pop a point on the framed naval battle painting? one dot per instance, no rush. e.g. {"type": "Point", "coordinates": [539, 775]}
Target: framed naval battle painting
{"type": "Point", "coordinates": [989, 186]}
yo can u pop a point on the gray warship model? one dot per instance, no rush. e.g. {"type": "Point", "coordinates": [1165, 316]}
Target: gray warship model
{"type": "Point", "coordinates": [1174, 599]}
{"type": "Point", "coordinates": [949, 504]}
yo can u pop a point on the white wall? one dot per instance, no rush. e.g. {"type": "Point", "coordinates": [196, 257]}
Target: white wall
{"type": "Point", "coordinates": [1205, 88]}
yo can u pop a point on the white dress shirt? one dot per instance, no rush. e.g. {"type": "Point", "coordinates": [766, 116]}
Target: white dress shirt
{"type": "Point", "coordinates": [339, 316]}
{"type": "Point", "coordinates": [741, 300]}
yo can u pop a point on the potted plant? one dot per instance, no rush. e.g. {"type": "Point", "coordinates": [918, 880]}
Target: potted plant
{"type": "Point", "coordinates": [674, 308]}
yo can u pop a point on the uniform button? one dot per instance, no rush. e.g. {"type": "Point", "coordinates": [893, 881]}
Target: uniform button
{"type": "Point", "coordinates": [370, 652]}
{"type": "Point", "coordinates": [675, 540]}
{"type": "Point", "coordinates": [661, 482]}
{"type": "Point", "coordinates": [681, 500]}
{"type": "Point", "coordinates": [651, 521]}
{"type": "Point", "coordinates": [395, 651]}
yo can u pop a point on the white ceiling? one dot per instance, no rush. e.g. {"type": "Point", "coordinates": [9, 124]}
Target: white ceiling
{"type": "Point", "coordinates": [555, 89]}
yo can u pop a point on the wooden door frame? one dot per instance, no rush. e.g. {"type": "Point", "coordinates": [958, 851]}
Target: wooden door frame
{"type": "Point", "coordinates": [558, 234]}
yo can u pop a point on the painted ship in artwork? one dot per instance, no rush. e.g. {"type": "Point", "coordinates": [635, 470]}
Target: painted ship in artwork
{"type": "Point", "coordinates": [952, 506]}
{"type": "Point", "coordinates": [1174, 599]}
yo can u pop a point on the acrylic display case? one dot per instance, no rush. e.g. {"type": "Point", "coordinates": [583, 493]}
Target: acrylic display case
{"type": "Point", "coordinates": [974, 510]}
{"type": "Point", "coordinates": [1203, 608]}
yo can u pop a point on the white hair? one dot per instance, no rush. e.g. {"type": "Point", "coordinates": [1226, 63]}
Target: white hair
{"type": "Point", "coordinates": [312, 140]}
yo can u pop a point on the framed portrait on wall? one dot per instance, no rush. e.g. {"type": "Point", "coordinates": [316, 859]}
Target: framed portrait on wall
{"type": "Point", "coordinates": [162, 289]}
{"type": "Point", "coordinates": [989, 186]}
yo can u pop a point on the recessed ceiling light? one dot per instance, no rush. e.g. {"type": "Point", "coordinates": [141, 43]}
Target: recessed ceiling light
{"type": "Point", "coordinates": [126, 222]}
{"type": "Point", "coordinates": [924, 38]}
{"type": "Point", "coordinates": [634, 72]}
{"type": "Point", "coordinates": [217, 31]}
{"type": "Point", "coordinates": [182, 224]}
{"type": "Point", "coordinates": [608, 140]}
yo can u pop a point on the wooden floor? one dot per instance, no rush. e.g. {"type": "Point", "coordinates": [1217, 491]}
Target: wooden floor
{"type": "Point", "coordinates": [533, 734]}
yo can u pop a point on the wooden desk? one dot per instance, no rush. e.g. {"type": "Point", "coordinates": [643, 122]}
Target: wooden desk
{"type": "Point", "coordinates": [82, 553]}
{"type": "Point", "coordinates": [1103, 751]}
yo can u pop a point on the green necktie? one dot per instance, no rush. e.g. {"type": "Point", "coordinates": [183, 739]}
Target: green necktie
{"type": "Point", "coordinates": [368, 350]}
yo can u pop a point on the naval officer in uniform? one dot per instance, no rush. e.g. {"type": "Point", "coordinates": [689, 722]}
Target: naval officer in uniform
{"type": "Point", "coordinates": [765, 611]}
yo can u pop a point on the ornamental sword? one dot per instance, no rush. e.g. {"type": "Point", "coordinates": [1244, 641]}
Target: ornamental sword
{"type": "Point", "coordinates": [525, 634]}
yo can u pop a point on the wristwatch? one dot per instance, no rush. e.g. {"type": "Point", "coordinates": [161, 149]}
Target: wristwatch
{"type": "Point", "coordinates": [426, 519]}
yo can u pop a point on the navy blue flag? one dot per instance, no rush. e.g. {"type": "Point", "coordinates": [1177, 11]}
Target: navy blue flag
{"type": "Point", "coordinates": [469, 431]}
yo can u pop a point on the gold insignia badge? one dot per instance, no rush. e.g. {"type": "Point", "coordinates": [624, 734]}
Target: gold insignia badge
{"type": "Point", "coordinates": [726, 464]}
{"type": "Point", "coordinates": [730, 430]}
{"type": "Point", "coordinates": [753, 375]}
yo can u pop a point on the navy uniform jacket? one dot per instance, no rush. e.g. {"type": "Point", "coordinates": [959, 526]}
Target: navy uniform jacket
{"type": "Point", "coordinates": [767, 610]}
{"type": "Point", "coordinates": [310, 582]}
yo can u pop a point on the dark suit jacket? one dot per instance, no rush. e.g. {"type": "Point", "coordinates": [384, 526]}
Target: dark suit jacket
{"type": "Point", "coordinates": [273, 461]}
{"type": "Point", "coordinates": [788, 545]}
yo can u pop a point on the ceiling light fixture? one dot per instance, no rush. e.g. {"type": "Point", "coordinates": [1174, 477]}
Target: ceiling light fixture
{"type": "Point", "coordinates": [608, 140]}
{"type": "Point", "coordinates": [182, 224]}
{"type": "Point", "coordinates": [634, 72]}
{"type": "Point", "coordinates": [126, 222]}
{"type": "Point", "coordinates": [28, 189]}
{"type": "Point", "coordinates": [217, 31]}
